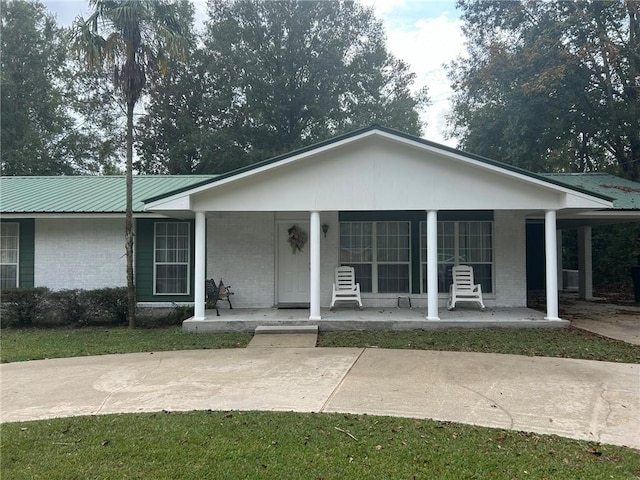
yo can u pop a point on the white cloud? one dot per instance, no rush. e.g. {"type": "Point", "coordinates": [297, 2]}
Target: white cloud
{"type": "Point", "coordinates": [426, 43]}
{"type": "Point", "coordinates": [432, 44]}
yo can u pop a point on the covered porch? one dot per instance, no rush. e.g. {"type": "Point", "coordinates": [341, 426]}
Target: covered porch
{"type": "Point", "coordinates": [247, 319]}
{"type": "Point", "coordinates": [379, 179]}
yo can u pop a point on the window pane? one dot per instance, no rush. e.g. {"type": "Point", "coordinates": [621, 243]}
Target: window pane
{"type": "Point", "coordinates": [445, 278]}
{"type": "Point", "coordinates": [9, 254]}
{"type": "Point", "coordinates": [423, 241]}
{"type": "Point", "coordinates": [161, 242]}
{"type": "Point", "coordinates": [182, 256]}
{"type": "Point", "coordinates": [446, 242]}
{"type": "Point", "coordinates": [8, 276]}
{"type": "Point", "coordinates": [363, 276]}
{"type": "Point", "coordinates": [392, 241]}
{"type": "Point", "coordinates": [468, 243]}
{"type": "Point", "coordinates": [172, 257]}
{"type": "Point", "coordinates": [482, 275]}
{"type": "Point", "coordinates": [476, 242]}
{"type": "Point", "coordinates": [355, 242]}
{"type": "Point", "coordinates": [171, 279]}
{"type": "Point", "coordinates": [393, 278]}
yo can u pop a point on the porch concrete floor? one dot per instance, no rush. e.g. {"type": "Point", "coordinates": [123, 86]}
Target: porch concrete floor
{"type": "Point", "coordinates": [248, 319]}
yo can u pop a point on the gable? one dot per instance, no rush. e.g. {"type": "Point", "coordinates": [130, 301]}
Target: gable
{"type": "Point", "coordinates": [379, 171]}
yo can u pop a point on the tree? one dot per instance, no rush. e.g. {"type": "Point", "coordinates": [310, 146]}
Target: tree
{"type": "Point", "coordinates": [275, 76]}
{"type": "Point", "coordinates": [45, 126]}
{"type": "Point", "coordinates": [172, 129]}
{"type": "Point", "coordinates": [134, 38]}
{"type": "Point", "coordinates": [33, 116]}
{"type": "Point", "coordinates": [551, 85]}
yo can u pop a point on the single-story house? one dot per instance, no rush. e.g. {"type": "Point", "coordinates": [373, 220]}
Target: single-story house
{"type": "Point", "coordinates": [400, 209]}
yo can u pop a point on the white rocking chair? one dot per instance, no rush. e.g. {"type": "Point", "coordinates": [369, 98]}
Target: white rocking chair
{"type": "Point", "coordinates": [345, 288]}
{"type": "Point", "coordinates": [463, 289]}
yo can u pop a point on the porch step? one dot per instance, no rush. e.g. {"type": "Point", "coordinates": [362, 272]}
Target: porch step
{"type": "Point", "coordinates": [284, 336]}
{"type": "Point", "coordinates": [286, 329]}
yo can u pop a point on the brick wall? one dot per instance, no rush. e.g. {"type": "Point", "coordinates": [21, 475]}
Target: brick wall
{"type": "Point", "coordinates": [242, 250]}
{"type": "Point", "coordinates": [79, 253]}
{"type": "Point", "coordinates": [510, 259]}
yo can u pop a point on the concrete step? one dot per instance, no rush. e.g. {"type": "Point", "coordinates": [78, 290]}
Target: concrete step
{"type": "Point", "coordinates": [281, 329]}
{"type": "Point", "coordinates": [284, 336]}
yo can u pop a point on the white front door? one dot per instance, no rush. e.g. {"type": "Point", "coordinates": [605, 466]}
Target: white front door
{"type": "Point", "coordinates": [293, 267]}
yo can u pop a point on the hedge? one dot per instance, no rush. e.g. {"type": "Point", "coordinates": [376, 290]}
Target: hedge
{"type": "Point", "coordinates": [27, 307]}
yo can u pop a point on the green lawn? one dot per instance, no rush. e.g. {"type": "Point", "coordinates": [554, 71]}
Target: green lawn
{"type": "Point", "coordinates": [248, 445]}
{"type": "Point", "coordinates": [32, 344]}
{"type": "Point", "coordinates": [564, 343]}
{"type": "Point", "coordinates": [35, 344]}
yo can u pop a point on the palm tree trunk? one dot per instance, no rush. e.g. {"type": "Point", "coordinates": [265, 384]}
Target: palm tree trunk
{"type": "Point", "coordinates": [128, 225]}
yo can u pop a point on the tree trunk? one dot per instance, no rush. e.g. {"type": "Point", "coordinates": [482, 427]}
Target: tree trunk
{"type": "Point", "coordinates": [128, 224]}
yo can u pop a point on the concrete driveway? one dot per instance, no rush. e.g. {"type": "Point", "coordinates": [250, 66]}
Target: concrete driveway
{"type": "Point", "coordinates": [581, 399]}
{"type": "Point", "coordinates": [621, 322]}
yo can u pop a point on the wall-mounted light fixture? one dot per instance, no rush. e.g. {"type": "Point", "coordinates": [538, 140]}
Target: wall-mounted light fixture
{"type": "Point", "coordinates": [325, 229]}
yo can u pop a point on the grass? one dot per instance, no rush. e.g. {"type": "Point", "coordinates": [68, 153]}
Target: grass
{"type": "Point", "coordinates": [564, 343]}
{"type": "Point", "coordinates": [248, 445]}
{"type": "Point", "coordinates": [34, 344]}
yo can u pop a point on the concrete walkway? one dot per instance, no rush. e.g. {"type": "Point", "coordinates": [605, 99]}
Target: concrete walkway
{"type": "Point", "coordinates": [581, 399]}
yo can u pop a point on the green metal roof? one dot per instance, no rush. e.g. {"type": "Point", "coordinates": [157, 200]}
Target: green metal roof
{"type": "Point", "coordinates": [85, 194]}
{"type": "Point", "coordinates": [106, 194]}
{"type": "Point", "coordinates": [625, 193]}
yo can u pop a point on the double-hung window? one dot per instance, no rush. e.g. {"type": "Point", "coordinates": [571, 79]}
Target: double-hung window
{"type": "Point", "coordinates": [171, 258]}
{"type": "Point", "coordinates": [380, 253]}
{"type": "Point", "coordinates": [461, 243]}
{"type": "Point", "coordinates": [9, 254]}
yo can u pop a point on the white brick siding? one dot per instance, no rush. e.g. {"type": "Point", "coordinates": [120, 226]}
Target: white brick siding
{"type": "Point", "coordinates": [510, 259]}
{"type": "Point", "coordinates": [82, 253]}
{"type": "Point", "coordinates": [241, 250]}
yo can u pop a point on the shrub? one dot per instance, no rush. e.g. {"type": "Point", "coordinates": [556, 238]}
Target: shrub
{"type": "Point", "coordinates": [63, 308]}
{"type": "Point", "coordinates": [179, 314]}
{"type": "Point", "coordinates": [43, 307]}
{"type": "Point", "coordinates": [106, 305]}
{"type": "Point", "coordinates": [164, 316]}
{"type": "Point", "coordinates": [22, 307]}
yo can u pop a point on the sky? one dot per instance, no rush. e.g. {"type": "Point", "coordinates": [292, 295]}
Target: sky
{"type": "Point", "coordinates": [425, 33]}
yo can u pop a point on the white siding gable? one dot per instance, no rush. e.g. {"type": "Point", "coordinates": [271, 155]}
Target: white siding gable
{"type": "Point", "coordinates": [379, 173]}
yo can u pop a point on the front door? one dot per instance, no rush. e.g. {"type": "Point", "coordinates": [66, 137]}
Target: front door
{"type": "Point", "coordinates": [293, 267]}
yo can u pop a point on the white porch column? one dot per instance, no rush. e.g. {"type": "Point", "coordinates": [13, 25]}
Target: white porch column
{"type": "Point", "coordinates": [432, 265]}
{"type": "Point", "coordinates": [585, 265]}
{"type": "Point", "coordinates": [551, 264]}
{"type": "Point", "coordinates": [559, 260]}
{"type": "Point", "coordinates": [200, 266]}
{"type": "Point", "coordinates": [314, 267]}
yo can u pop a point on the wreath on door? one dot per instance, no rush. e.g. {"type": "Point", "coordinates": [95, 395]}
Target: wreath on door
{"type": "Point", "coordinates": [297, 238]}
